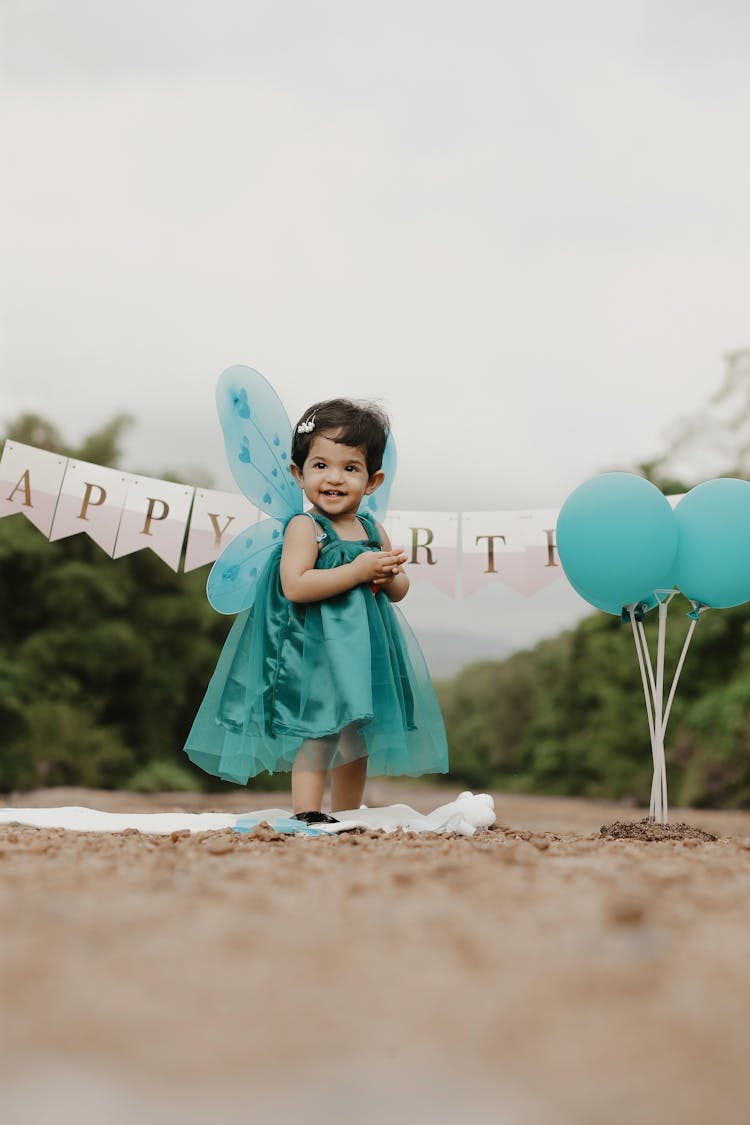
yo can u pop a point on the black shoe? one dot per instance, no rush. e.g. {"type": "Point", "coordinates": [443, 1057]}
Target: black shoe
{"type": "Point", "coordinates": [315, 817]}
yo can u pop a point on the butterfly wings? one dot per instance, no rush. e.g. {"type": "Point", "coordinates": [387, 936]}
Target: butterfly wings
{"type": "Point", "coordinates": [234, 576]}
{"type": "Point", "coordinates": [258, 438]}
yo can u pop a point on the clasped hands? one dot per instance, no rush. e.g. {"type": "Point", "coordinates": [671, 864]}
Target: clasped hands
{"type": "Point", "coordinates": [379, 567]}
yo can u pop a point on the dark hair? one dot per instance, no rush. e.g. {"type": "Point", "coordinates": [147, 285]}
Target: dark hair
{"type": "Point", "coordinates": [360, 425]}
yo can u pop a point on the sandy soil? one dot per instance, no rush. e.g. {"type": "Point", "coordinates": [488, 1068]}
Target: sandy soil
{"type": "Point", "coordinates": [532, 975]}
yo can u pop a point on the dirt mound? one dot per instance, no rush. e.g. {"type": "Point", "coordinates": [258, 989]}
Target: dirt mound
{"type": "Point", "coordinates": [647, 830]}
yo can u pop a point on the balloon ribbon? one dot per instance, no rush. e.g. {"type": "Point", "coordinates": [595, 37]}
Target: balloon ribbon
{"type": "Point", "coordinates": [653, 690]}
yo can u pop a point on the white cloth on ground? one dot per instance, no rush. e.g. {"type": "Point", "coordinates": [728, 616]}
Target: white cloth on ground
{"type": "Point", "coordinates": [465, 815]}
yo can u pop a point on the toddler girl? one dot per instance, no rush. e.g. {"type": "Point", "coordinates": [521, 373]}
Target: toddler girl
{"type": "Point", "coordinates": [322, 675]}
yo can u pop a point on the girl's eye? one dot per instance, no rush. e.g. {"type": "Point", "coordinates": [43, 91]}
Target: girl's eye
{"type": "Point", "coordinates": [352, 468]}
{"type": "Point", "coordinates": [319, 465]}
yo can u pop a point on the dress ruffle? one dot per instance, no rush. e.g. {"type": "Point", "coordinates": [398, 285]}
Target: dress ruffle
{"type": "Point", "coordinates": [292, 672]}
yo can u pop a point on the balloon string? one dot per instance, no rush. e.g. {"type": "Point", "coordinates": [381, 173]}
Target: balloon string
{"type": "Point", "coordinates": [680, 662]}
{"type": "Point", "coordinates": [659, 716]}
{"type": "Point", "coordinates": [655, 800]}
{"type": "Point", "coordinates": [643, 678]}
{"type": "Point", "coordinates": [659, 707]}
{"type": "Point", "coordinates": [655, 805]}
{"type": "Point", "coordinates": [647, 695]}
{"type": "Point", "coordinates": [658, 801]}
{"type": "Point", "coordinates": [649, 665]}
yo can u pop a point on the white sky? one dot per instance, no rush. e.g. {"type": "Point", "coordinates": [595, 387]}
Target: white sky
{"type": "Point", "coordinates": [524, 227]}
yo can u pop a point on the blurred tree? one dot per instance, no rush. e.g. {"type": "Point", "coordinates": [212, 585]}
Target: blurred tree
{"type": "Point", "coordinates": [102, 662]}
{"type": "Point", "coordinates": [103, 447]}
{"type": "Point", "coordinates": [569, 717]}
{"type": "Point", "coordinates": [715, 440]}
{"type": "Point", "coordinates": [32, 429]}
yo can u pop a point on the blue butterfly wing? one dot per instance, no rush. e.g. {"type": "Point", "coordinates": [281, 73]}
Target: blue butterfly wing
{"type": "Point", "coordinates": [234, 576]}
{"type": "Point", "coordinates": [376, 504]}
{"type": "Point", "coordinates": [258, 440]}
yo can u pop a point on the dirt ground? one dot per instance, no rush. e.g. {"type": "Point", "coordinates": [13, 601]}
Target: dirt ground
{"type": "Point", "coordinates": [535, 974]}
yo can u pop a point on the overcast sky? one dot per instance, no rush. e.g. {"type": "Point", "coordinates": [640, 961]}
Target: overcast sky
{"type": "Point", "coordinates": [523, 227]}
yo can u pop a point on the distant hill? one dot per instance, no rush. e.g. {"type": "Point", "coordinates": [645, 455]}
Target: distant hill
{"type": "Point", "coordinates": [448, 652]}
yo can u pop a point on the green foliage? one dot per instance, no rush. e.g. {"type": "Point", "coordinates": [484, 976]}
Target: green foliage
{"type": "Point", "coordinates": [101, 448]}
{"type": "Point", "coordinates": [102, 662]}
{"type": "Point", "coordinates": [163, 777]}
{"type": "Point", "coordinates": [569, 717]}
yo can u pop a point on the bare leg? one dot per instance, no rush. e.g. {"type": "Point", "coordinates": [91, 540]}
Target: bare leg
{"type": "Point", "coordinates": [348, 779]}
{"type": "Point", "coordinates": [309, 774]}
{"type": "Point", "coordinates": [348, 785]}
{"type": "Point", "coordinates": [307, 789]}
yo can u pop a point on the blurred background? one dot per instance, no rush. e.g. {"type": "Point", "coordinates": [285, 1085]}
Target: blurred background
{"type": "Point", "coordinates": [524, 230]}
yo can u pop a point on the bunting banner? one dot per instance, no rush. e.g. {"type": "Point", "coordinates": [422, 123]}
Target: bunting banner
{"type": "Point", "coordinates": [155, 515]}
{"type": "Point", "coordinates": [430, 540]}
{"type": "Point", "coordinates": [516, 549]}
{"type": "Point", "coordinates": [90, 503]}
{"type": "Point", "coordinates": [217, 518]}
{"type": "Point", "coordinates": [459, 553]}
{"type": "Point", "coordinates": [19, 466]}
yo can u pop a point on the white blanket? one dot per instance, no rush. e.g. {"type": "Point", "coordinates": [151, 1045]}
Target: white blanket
{"type": "Point", "coordinates": [465, 815]}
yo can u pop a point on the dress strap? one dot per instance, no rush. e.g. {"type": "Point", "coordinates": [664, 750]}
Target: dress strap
{"type": "Point", "coordinates": [370, 526]}
{"type": "Point", "coordinates": [321, 533]}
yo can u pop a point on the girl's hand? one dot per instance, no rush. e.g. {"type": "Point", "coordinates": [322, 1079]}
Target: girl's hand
{"type": "Point", "coordinates": [394, 585]}
{"type": "Point", "coordinates": [389, 578]}
{"type": "Point", "coordinates": [378, 566]}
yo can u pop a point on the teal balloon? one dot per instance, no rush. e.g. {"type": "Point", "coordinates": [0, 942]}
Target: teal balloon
{"type": "Point", "coordinates": [609, 605]}
{"type": "Point", "coordinates": [713, 555]}
{"type": "Point", "coordinates": [617, 541]}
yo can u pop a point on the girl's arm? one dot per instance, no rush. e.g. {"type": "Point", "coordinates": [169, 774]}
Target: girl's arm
{"type": "Point", "coordinates": [301, 582]}
{"type": "Point", "coordinates": [396, 585]}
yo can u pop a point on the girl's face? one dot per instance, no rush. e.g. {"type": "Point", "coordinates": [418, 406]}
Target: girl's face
{"type": "Point", "coordinates": [334, 477]}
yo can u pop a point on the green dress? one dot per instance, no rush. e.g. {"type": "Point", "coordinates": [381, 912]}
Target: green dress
{"type": "Point", "coordinates": [291, 672]}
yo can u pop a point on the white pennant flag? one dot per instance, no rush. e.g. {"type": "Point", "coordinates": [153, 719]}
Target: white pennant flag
{"type": "Point", "coordinates": [30, 482]}
{"type": "Point", "coordinates": [218, 517]}
{"type": "Point", "coordinates": [516, 549]}
{"type": "Point", "coordinates": [91, 501]}
{"type": "Point", "coordinates": [155, 515]}
{"type": "Point", "coordinates": [430, 540]}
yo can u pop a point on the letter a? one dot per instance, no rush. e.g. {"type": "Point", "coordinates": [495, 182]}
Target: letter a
{"type": "Point", "coordinates": [25, 483]}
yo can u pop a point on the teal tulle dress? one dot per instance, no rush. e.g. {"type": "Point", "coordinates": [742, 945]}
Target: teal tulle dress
{"type": "Point", "coordinates": [290, 673]}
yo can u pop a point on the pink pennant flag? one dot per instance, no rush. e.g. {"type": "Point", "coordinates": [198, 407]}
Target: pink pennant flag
{"type": "Point", "coordinates": [528, 571]}
{"type": "Point", "coordinates": [485, 538]}
{"type": "Point", "coordinates": [30, 481]}
{"type": "Point", "coordinates": [516, 549]}
{"type": "Point", "coordinates": [91, 501]}
{"type": "Point", "coordinates": [155, 515]}
{"type": "Point", "coordinates": [430, 540]}
{"type": "Point", "coordinates": [217, 518]}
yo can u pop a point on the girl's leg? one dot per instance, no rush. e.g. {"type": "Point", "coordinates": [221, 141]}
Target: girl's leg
{"type": "Point", "coordinates": [307, 789]}
{"type": "Point", "coordinates": [309, 773]}
{"type": "Point", "coordinates": [348, 779]}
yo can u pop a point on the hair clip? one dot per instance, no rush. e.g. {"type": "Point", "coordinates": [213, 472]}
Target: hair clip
{"type": "Point", "coordinates": [306, 427]}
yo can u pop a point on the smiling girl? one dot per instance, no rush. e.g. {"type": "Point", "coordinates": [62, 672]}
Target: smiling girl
{"type": "Point", "coordinates": [323, 676]}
